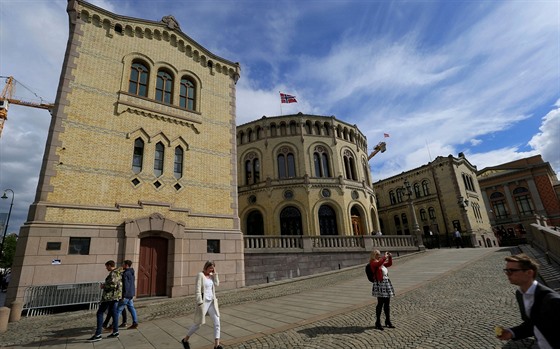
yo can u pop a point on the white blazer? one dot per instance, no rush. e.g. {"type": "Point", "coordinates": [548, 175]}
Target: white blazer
{"type": "Point", "coordinates": [199, 313]}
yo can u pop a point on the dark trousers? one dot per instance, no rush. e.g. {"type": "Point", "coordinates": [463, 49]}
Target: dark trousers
{"type": "Point", "coordinates": [111, 307]}
{"type": "Point", "coordinates": [383, 303]}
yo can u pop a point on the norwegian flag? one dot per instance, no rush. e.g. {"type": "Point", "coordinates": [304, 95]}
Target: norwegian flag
{"type": "Point", "coordinates": [284, 98]}
{"type": "Point", "coordinates": [386, 135]}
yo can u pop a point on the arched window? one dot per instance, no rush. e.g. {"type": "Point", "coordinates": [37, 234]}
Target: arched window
{"type": "Point", "coordinates": [423, 216]}
{"type": "Point", "coordinates": [164, 87]}
{"type": "Point", "coordinates": [286, 163]}
{"type": "Point", "coordinates": [138, 83]}
{"type": "Point", "coordinates": [349, 165]}
{"type": "Point", "coordinates": [425, 188]}
{"type": "Point", "coordinates": [327, 221]}
{"type": "Point", "coordinates": [255, 223]}
{"type": "Point", "coordinates": [417, 190]}
{"type": "Point", "coordinates": [178, 163]}
{"type": "Point", "coordinates": [397, 221]}
{"type": "Point", "coordinates": [400, 194]}
{"type": "Point", "coordinates": [431, 213]}
{"type": "Point", "coordinates": [308, 127]}
{"type": "Point", "coordinates": [293, 128]}
{"type": "Point", "coordinates": [321, 162]}
{"type": "Point", "coordinates": [138, 155]}
{"type": "Point", "coordinates": [392, 197]}
{"type": "Point", "coordinates": [273, 130]}
{"type": "Point", "coordinates": [499, 205]}
{"type": "Point", "coordinates": [404, 219]}
{"type": "Point", "coordinates": [290, 221]}
{"type": "Point", "coordinates": [187, 94]}
{"type": "Point", "coordinates": [523, 201]}
{"type": "Point", "coordinates": [158, 160]}
{"type": "Point", "coordinates": [252, 169]}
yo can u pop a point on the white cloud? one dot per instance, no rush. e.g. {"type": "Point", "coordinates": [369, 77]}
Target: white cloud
{"type": "Point", "coordinates": [547, 141]}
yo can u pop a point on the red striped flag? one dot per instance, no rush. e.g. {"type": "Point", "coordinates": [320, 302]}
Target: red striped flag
{"type": "Point", "coordinates": [284, 98]}
{"type": "Point", "coordinates": [386, 135]}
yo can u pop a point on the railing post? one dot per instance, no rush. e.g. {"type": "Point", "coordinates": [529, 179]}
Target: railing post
{"type": "Point", "coordinates": [368, 242]}
{"type": "Point", "coordinates": [307, 243]}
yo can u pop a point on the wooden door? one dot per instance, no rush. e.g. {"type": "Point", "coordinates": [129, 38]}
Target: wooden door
{"type": "Point", "coordinates": [152, 271]}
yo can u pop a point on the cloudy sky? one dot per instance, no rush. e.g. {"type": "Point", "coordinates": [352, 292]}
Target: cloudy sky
{"type": "Point", "coordinates": [440, 77]}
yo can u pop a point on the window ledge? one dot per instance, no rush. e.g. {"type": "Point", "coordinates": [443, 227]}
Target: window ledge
{"type": "Point", "coordinates": [153, 109]}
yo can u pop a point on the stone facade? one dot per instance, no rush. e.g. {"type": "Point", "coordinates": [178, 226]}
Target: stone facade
{"type": "Point", "coordinates": [446, 196]}
{"type": "Point", "coordinates": [140, 161]}
{"type": "Point", "coordinates": [517, 191]}
{"type": "Point", "coordinates": [304, 175]}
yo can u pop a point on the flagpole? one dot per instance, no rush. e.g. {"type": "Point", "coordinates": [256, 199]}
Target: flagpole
{"type": "Point", "coordinates": [280, 103]}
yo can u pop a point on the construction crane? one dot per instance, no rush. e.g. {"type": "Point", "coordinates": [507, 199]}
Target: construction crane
{"type": "Point", "coordinates": [380, 147]}
{"type": "Point", "coordinates": [6, 98]}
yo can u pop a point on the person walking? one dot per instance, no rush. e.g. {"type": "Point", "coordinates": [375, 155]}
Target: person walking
{"type": "Point", "coordinates": [382, 287]}
{"type": "Point", "coordinates": [458, 239]}
{"type": "Point", "coordinates": [112, 292]}
{"type": "Point", "coordinates": [538, 304]}
{"type": "Point", "coordinates": [206, 302]}
{"type": "Point", "coordinates": [128, 294]}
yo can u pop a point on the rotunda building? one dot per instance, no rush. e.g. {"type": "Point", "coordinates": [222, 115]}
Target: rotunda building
{"type": "Point", "coordinates": [304, 175]}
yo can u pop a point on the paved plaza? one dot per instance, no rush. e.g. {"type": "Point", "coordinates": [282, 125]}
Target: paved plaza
{"type": "Point", "coordinates": [446, 298]}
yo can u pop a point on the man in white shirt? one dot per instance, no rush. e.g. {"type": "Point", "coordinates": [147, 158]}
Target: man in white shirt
{"type": "Point", "coordinates": [539, 305]}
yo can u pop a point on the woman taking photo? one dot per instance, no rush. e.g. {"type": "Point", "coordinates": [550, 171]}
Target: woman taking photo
{"type": "Point", "coordinates": [206, 302]}
{"type": "Point", "coordinates": [382, 287]}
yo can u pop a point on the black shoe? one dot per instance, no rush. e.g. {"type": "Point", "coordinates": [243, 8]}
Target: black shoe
{"type": "Point", "coordinates": [123, 325]}
{"type": "Point", "coordinates": [186, 344]}
{"type": "Point", "coordinates": [389, 325]}
{"type": "Point", "coordinates": [378, 326]}
{"type": "Point", "coordinates": [219, 347]}
{"type": "Point", "coordinates": [113, 335]}
{"type": "Point", "coordinates": [95, 338]}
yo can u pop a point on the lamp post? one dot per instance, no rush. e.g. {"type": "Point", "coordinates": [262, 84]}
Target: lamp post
{"type": "Point", "coordinates": [7, 221]}
{"type": "Point", "coordinates": [415, 227]}
{"type": "Point", "coordinates": [463, 204]}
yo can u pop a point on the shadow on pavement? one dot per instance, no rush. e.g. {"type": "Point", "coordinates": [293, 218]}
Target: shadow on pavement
{"type": "Point", "coordinates": [321, 330]}
{"type": "Point", "coordinates": [521, 344]}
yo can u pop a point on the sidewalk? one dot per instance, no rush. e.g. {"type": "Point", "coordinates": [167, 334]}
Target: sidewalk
{"type": "Point", "coordinates": [325, 314]}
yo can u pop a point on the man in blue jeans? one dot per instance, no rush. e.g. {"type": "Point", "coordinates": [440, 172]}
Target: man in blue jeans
{"type": "Point", "coordinates": [128, 293]}
{"type": "Point", "coordinates": [112, 292]}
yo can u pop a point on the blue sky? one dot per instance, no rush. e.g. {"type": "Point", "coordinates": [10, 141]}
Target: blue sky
{"type": "Point", "coordinates": [441, 77]}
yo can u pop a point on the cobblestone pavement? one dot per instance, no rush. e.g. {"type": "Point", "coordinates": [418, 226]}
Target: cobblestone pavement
{"type": "Point", "coordinates": [456, 310]}
{"type": "Point", "coordinates": [459, 310]}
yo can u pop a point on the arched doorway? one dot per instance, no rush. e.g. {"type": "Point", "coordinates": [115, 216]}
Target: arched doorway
{"type": "Point", "coordinates": [152, 270]}
{"type": "Point", "coordinates": [327, 221]}
{"type": "Point", "coordinates": [255, 223]}
{"type": "Point", "coordinates": [357, 227]}
{"type": "Point", "coordinates": [290, 221]}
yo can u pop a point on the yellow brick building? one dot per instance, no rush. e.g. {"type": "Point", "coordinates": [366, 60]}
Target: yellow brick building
{"type": "Point", "coordinates": [140, 161]}
{"type": "Point", "coordinates": [304, 175]}
{"type": "Point", "coordinates": [446, 196]}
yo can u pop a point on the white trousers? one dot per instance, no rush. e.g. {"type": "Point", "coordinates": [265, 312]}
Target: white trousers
{"type": "Point", "coordinates": [210, 310]}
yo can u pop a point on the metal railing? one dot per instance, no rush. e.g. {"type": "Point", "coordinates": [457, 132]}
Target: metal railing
{"type": "Point", "coordinates": [300, 243]}
{"type": "Point", "coordinates": [40, 300]}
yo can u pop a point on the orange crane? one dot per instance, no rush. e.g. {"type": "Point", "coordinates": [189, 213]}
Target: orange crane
{"type": "Point", "coordinates": [6, 98]}
{"type": "Point", "coordinates": [380, 147]}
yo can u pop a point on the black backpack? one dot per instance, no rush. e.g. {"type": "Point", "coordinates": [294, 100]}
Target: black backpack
{"type": "Point", "coordinates": [369, 273]}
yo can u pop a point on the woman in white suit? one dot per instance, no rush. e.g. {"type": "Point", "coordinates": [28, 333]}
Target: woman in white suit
{"type": "Point", "coordinates": [206, 303]}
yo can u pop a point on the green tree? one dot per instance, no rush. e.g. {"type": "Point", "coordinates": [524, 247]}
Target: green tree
{"type": "Point", "coordinates": [9, 251]}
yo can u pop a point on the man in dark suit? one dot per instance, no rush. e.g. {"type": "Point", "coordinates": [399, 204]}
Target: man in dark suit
{"type": "Point", "coordinates": [539, 305]}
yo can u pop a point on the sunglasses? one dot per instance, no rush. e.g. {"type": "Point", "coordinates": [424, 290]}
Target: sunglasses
{"type": "Point", "coordinates": [512, 270]}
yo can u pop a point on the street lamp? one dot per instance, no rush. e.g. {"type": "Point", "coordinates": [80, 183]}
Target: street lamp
{"type": "Point", "coordinates": [7, 221]}
{"type": "Point", "coordinates": [463, 204]}
{"type": "Point", "coordinates": [415, 227]}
